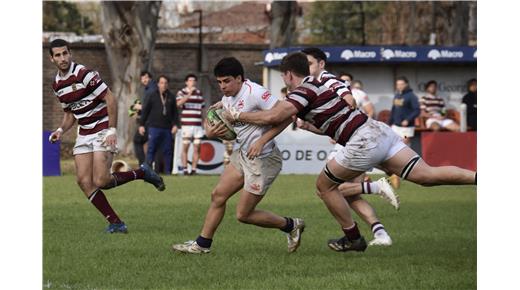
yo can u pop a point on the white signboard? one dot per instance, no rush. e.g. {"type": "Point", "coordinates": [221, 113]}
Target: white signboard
{"type": "Point", "coordinates": [303, 152]}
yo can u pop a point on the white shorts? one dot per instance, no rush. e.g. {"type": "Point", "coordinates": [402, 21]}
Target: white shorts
{"type": "Point", "coordinates": [337, 148]}
{"type": "Point", "coordinates": [91, 143]}
{"type": "Point", "coordinates": [404, 132]}
{"type": "Point", "coordinates": [196, 132]}
{"type": "Point", "coordinates": [258, 173]}
{"type": "Point", "coordinates": [443, 123]}
{"type": "Point", "coordinates": [372, 144]}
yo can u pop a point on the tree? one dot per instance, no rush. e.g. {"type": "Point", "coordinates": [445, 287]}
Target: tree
{"type": "Point", "coordinates": [283, 23]}
{"type": "Point", "coordinates": [65, 17]}
{"type": "Point", "coordinates": [129, 30]}
{"type": "Point", "coordinates": [341, 22]}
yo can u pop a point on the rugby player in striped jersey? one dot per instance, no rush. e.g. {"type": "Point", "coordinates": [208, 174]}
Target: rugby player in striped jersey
{"type": "Point", "coordinates": [86, 98]}
{"type": "Point", "coordinates": [368, 143]}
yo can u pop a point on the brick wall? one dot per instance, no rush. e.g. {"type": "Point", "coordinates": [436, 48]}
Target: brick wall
{"type": "Point", "coordinates": [173, 60]}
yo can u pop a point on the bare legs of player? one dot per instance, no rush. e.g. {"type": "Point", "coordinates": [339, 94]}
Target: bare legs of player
{"type": "Point", "coordinates": [84, 173]}
{"type": "Point", "coordinates": [421, 173]}
{"type": "Point", "coordinates": [93, 170]}
{"type": "Point", "coordinates": [426, 175]}
{"type": "Point", "coordinates": [329, 193]}
{"type": "Point", "coordinates": [184, 154]}
{"type": "Point", "coordinates": [362, 208]}
{"type": "Point", "coordinates": [230, 182]}
{"type": "Point", "coordinates": [196, 154]}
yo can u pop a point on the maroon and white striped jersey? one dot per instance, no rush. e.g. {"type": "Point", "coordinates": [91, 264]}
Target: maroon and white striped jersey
{"type": "Point", "coordinates": [319, 103]}
{"type": "Point", "coordinates": [191, 114]}
{"type": "Point", "coordinates": [82, 92]}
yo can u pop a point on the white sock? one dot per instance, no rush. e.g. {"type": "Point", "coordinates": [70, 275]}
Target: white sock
{"type": "Point", "coordinates": [370, 187]}
{"type": "Point", "coordinates": [378, 229]}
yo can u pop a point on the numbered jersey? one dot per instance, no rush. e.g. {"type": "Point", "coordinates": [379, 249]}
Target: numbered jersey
{"type": "Point", "coordinates": [252, 97]}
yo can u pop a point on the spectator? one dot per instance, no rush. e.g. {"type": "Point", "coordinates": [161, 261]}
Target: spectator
{"type": "Point", "coordinates": [160, 113]}
{"type": "Point", "coordinates": [405, 109]}
{"type": "Point", "coordinates": [191, 102]}
{"type": "Point", "coordinates": [346, 77]}
{"type": "Point", "coordinates": [361, 97]}
{"type": "Point", "coordinates": [135, 111]}
{"type": "Point", "coordinates": [470, 99]}
{"type": "Point", "coordinates": [434, 109]}
{"type": "Point", "coordinates": [283, 93]}
{"type": "Point", "coordinates": [362, 101]}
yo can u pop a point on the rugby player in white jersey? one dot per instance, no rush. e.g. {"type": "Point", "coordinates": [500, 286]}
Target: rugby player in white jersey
{"type": "Point", "coordinates": [251, 176]}
{"type": "Point", "coordinates": [368, 143]}
{"type": "Point", "coordinates": [317, 62]}
{"type": "Point", "coordinates": [86, 98]}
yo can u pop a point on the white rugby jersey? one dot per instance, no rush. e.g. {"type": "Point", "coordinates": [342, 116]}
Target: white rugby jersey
{"type": "Point", "coordinates": [82, 92]}
{"type": "Point", "coordinates": [361, 98]}
{"type": "Point", "coordinates": [252, 97]}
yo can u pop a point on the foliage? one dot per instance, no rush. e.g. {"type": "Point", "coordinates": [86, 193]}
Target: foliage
{"type": "Point", "coordinates": [64, 16]}
{"type": "Point", "coordinates": [341, 22]}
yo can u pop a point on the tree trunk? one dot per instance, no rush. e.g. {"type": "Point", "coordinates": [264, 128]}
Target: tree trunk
{"type": "Point", "coordinates": [129, 30]}
{"type": "Point", "coordinates": [283, 23]}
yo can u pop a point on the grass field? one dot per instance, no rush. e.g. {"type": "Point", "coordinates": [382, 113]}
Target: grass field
{"type": "Point", "coordinates": [434, 237]}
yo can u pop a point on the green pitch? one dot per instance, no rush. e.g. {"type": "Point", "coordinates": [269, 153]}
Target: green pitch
{"type": "Point", "coordinates": [434, 237]}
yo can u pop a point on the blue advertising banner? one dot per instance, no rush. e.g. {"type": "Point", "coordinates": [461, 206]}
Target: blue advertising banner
{"type": "Point", "coordinates": [51, 156]}
{"type": "Point", "coordinates": [382, 54]}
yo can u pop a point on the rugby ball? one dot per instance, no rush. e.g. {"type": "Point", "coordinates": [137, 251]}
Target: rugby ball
{"type": "Point", "coordinates": [214, 117]}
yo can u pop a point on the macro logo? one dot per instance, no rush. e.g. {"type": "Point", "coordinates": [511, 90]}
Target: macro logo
{"type": "Point", "coordinates": [348, 54]}
{"type": "Point", "coordinates": [444, 53]}
{"type": "Point", "coordinates": [397, 53]}
{"type": "Point", "coordinates": [388, 54]}
{"type": "Point", "coordinates": [271, 56]}
{"type": "Point", "coordinates": [434, 54]}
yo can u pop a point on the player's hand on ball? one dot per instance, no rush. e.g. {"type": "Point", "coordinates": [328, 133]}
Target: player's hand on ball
{"type": "Point", "coordinates": [255, 149]}
{"type": "Point", "coordinates": [218, 130]}
{"type": "Point", "coordinates": [231, 115]}
{"type": "Point", "coordinates": [217, 105]}
{"type": "Point", "coordinates": [227, 115]}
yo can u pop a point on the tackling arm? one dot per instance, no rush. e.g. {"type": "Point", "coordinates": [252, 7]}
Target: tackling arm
{"type": "Point", "coordinates": [281, 112]}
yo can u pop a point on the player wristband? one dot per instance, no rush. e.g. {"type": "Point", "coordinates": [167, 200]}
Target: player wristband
{"type": "Point", "coordinates": [111, 131]}
{"type": "Point", "coordinates": [59, 130]}
{"type": "Point", "coordinates": [235, 114]}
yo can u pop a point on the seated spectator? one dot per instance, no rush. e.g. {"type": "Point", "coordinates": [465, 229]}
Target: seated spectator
{"type": "Point", "coordinates": [434, 109]}
{"type": "Point", "coordinates": [470, 99]}
{"type": "Point", "coordinates": [405, 108]}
